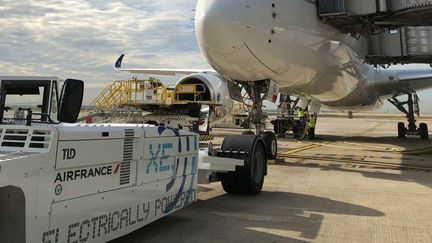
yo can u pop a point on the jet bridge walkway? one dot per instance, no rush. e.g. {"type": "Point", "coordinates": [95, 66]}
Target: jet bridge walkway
{"type": "Point", "coordinates": [398, 31]}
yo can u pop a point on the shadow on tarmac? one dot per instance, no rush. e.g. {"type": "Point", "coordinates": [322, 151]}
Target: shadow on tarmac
{"type": "Point", "coordinates": [409, 144]}
{"type": "Point", "coordinates": [268, 217]}
{"type": "Point", "coordinates": [422, 178]}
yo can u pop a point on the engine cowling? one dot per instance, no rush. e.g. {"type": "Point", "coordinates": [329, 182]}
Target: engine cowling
{"type": "Point", "coordinates": [214, 90]}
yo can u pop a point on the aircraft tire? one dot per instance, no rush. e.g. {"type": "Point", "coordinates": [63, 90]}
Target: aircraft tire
{"type": "Point", "coordinates": [424, 131]}
{"type": "Point", "coordinates": [401, 130]}
{"type": "Point", "coordinates": [276, 126]}
{"type": "Point", "coordinates": [270, 141]}
{"type": "Point", "coordinates": [249, 179]}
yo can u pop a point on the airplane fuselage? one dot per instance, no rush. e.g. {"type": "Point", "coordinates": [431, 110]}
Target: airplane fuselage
{"type": "Point", "coordinates": [284, 41]}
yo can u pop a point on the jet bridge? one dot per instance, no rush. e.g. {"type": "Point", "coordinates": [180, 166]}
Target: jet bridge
{"type": "Point", "coordinates": [398, 31]}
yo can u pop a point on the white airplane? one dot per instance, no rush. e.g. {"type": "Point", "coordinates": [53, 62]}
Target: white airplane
{"type": "Point", "coordinates": [315, 50]}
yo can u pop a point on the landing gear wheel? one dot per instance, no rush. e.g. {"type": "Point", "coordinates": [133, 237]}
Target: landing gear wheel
{"type": "Point", "coordinates": [270, 141]}
{"type": "Point", "coordinates": [424, 131]}
{"type": "Point", "coordinates": [401, 130]}
{"type": "Point", "coordinates": [248, 179]}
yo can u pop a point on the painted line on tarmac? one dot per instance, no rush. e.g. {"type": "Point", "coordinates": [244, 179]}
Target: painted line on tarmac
{"type": "Point", "coordinates": [343, 163]}
{"type": "Point", "coordinates": [421, 151]}
{"type": "Point", "coordinates": [317, 145]}
{"type": "Point", "coordinates": [416, 151]}
{"type": "Point", "coordinates": [370, 146]}
{"type": "Point", "coordinates": [303, 148]}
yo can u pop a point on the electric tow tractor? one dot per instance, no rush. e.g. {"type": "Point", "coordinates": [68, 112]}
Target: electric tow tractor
{"type": "Point", "coordinates": [66, 182]}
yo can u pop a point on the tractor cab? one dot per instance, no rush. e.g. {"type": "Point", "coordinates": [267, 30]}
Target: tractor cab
{"type": "Point", "coordinates": [27, 100]}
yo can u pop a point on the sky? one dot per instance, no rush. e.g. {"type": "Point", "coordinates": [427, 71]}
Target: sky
{"type": "Point", "coordinates": [82, 39]}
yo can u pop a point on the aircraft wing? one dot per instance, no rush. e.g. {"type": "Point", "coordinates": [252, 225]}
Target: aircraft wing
{"type": "Point", "coordinates": [405, 80]}
{"type": "Point", "coordinates": [153, 71]}
{"type": "Point", "coordinates": [164, 72]}
{"type": "Point", "coordinates": [416, 79]}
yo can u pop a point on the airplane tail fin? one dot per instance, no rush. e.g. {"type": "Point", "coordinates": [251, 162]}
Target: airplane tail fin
{"type": "Point", "coordinates": [118, 63]}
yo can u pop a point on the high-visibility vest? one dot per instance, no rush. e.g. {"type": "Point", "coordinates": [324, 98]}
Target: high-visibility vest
{"type": "Point", "coordinates": [301, 113]}
{"type": "Point", "coordinates": [312, 122]}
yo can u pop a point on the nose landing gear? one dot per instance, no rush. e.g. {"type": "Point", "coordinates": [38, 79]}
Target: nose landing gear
{"type": "Point", "coordinates": [412, 109]}
{"type": "Point", "coordinates": [257, 93]}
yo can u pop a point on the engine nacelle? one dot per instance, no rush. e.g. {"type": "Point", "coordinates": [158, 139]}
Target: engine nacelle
{"type": "Point", "coordinates": [214, 89]}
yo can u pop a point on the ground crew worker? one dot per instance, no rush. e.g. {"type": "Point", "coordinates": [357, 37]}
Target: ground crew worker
{"type": "Point", "coordinates": [300, 127]}
{"type": "Point", "coordinates": [302, 118]}
{"type": "Point", "coordinates": [311, 126]}
{"type": "Point", "coordinates": [301, 113]}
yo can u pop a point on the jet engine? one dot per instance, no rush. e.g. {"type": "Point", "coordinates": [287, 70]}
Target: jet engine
{"type": "Point", "coordinates": [210, 89]}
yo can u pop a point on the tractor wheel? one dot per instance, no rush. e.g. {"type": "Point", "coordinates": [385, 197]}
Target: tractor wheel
{"type": "Point", "coordinates": [248, 179]}
{"type": "Point", "coordinates": [270, 141]}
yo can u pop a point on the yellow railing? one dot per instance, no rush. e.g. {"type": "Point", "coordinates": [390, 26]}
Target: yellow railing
{"type": "Point", "coordinates": [193, 89]}
{"type": "Point", "coordinates": [138, 93]}
{"type": "Point", "coordinates": [131, 93]}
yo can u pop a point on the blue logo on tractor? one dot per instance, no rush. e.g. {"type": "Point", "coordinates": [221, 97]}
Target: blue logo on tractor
{"type": "Point", "coordinates": [159, 155]}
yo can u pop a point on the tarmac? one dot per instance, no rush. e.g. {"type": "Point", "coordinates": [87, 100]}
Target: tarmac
{"type": "Point", "coordinates": [355, 183]}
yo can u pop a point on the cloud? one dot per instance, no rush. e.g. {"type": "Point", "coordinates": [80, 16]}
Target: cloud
{"type": "Point", "coordinates": [82, 39]}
